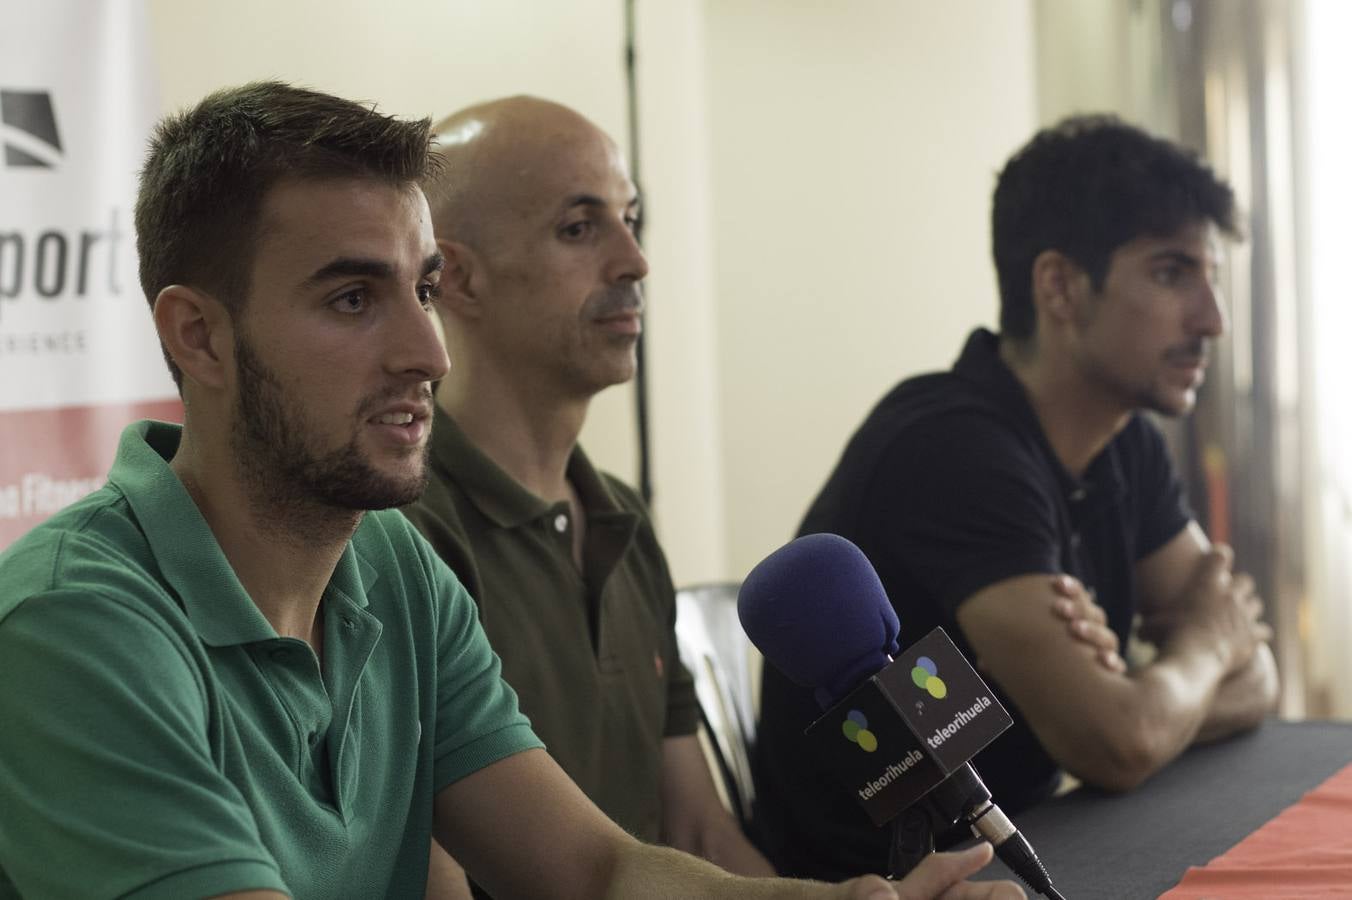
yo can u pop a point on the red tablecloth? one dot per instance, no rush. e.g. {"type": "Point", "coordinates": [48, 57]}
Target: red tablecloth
{"type": "Point", "coordinates": [1306, 851]}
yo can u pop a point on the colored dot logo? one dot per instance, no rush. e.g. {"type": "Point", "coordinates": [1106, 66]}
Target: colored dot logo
{"type": "Point", "coordinates": [856, 730]}
{"type": "Point", "coordinates": [926, 676]}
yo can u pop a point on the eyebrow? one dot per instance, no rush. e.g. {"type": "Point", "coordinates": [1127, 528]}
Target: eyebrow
{"type": "Point", "coordinates": [1177, 256]}
{"type": "Point", "coordinates": [350, 266]}
{"type": "Point", "coordinates": [1188, 261]}
{"type": "Point", "coordinates": [591, 200]}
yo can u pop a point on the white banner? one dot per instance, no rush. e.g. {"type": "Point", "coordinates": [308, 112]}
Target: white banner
{"type": "Point", "coordinates": [78, 353]}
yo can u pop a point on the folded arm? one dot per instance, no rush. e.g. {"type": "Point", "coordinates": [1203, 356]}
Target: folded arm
{"type": "Point", "coordinates": [1170, 601]}
{"type": "Point", "coordinates": [1110, 728]}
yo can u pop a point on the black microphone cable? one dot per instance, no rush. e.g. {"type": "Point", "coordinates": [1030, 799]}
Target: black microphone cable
{"type": "Point", "coordinates": [1014, 850]}
{"type": "Point", "coordinates": [963, 797]}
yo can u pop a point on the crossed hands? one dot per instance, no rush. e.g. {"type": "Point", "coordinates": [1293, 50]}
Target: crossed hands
{"type": "Point", "coordinates": [1218, 605]}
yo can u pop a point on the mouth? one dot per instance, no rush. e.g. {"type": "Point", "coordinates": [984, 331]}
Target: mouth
{"type": "Point", "coordinates": [404, 424]}
{"type": "Point", "coordinates": [622, 323]}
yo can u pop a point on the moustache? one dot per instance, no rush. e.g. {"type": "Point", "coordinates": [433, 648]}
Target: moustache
{"type": "Point", "coordinates": [617, 300]}
{"type": "Point", "coordinates": [1189, 354]}
{"type": "Point", "coordinates": [422, 395]}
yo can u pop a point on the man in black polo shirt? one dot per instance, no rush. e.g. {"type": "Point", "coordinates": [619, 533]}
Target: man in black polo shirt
{"type": "Point", "coordinates": [1032, 457]}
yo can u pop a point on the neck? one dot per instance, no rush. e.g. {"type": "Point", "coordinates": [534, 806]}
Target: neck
{"type": "Point", "coordinates": [284, 557]}
{"type": "Point", "coordinates": [1077, 420]}
{"type": "Point", "coordinates": [529, 433]}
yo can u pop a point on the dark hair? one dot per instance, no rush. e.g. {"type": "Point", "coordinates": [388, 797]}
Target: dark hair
{"type": "Point", "coordinates": [209, 168]}
{"type": "Point", "coordinates": [1085, 187]}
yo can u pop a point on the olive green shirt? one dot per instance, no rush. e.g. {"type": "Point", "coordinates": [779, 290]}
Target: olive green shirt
{"type": "Point", "coordinates": [592, 654]}
{"type": "Point", "coordinates": [158, 739]}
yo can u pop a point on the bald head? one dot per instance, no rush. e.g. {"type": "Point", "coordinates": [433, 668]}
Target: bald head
{"type": "Point", "coordinates": [501, 157]}
{"type": "Point", "coordinates": [535, 214]}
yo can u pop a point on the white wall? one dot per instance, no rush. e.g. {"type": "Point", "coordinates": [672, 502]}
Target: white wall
{"type": "Point", "coordinates": [856, 146]}
{"type": "Point", "coordinates": [817, 175]}
{"type": "Point", "coordinates": [685, 378]}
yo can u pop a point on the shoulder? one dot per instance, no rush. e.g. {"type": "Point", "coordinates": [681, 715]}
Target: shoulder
{"type": "Point", "coordinates": [93, 548]}
{"type": "Point", "coordinates": [933, 415]}
{"type": "Point", "coordinates": [931, 433]}
{"type": "Point", "coordinates": [83, 592]}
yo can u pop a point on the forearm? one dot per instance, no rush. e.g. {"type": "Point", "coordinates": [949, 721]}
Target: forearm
{"type": "Point", "coordinates": [445, 878]}
{"type": "Point", "coordinates": [1175, 694]}
{"type": "Point", "coordinates": [1145, 719]}
{"type": "Point", "coordinates": [1244, 699]}
{"type": "Point", "coordinates": [715, 836]}
{"type": "Point", "coordinates": [694, 819]}
{"type": "Point", "coordinates": [659, 873]}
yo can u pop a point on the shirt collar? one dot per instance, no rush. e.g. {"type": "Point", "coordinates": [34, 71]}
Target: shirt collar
{"type": "Point", "coordinates": [499, 496]}
{"type": "Point", "coordinates": [980, 364]}
{"type": "Point", "coordinates": [190, 559]}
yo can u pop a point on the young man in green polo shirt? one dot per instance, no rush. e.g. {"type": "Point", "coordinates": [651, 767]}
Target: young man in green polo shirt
{"type": "Point", "coordinates": [223, 675]}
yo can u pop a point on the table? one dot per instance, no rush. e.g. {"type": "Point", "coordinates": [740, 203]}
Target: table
{"type": "Point", "coordinates": [1139, 844]}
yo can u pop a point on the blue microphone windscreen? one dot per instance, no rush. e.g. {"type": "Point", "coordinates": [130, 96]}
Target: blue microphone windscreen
{"type": "Point", "coordinates": [817, 611]}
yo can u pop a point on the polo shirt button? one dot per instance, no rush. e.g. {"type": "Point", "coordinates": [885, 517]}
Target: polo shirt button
{"type": "Point", "coordinates": [349, 624]}
{"type": "Point", "coordinates": [1075, 541]}
{"type": "Point", "coordinates": [1077, 495]}
{"type": "Point", "coordinates": [560, 523]}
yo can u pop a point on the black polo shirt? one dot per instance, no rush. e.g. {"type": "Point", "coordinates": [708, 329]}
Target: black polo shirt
{"type": "Point", "coordinates": [948, 487]}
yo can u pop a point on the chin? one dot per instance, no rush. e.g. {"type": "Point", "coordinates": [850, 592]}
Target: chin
{"type": "Point", "coordinates": [1172, 405]}
{"type": "Point", "coordinates": [613, 376]}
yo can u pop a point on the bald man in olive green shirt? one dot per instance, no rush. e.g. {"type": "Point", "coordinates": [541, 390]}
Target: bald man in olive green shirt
{"type": "Point", "coordinates": [541, 307]}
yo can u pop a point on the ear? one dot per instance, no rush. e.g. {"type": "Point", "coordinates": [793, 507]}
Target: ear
{"type": "Point", "coordinates": [459, 280]}
{"type": "Point", "coordinates": [198, 333]}
{"type": "Point", "coordinates": [1059, 288]}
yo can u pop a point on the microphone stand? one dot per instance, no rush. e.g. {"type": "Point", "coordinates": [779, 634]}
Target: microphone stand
{"type": "Point", "coordinates": [912, 841]}
{"type": "Point", "coordinates": [962, 797]}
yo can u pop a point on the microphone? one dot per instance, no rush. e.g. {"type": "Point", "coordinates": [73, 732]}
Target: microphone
{"type": "Point", "coordinates": [894, 731]}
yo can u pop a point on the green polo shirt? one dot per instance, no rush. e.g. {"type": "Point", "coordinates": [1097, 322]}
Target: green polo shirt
{"type": "Point", "coordinates": [158, 739]}
{"type": "Point", "coordinates": [591, 654]}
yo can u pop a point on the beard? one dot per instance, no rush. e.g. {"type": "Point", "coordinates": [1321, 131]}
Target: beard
{"type": "Point", "coordinates": [274, 446]}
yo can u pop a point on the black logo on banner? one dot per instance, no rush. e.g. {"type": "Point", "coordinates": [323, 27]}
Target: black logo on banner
{"type": "Point", "coordinates": [28, 125]}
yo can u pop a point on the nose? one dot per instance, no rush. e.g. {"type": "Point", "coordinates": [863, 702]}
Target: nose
{"type": "Point", "coordinates": [626, 262]}
{"type": "Point", "coordinates": [415, 350]}
{"type": "Point", "coordinates": [1208, 316]}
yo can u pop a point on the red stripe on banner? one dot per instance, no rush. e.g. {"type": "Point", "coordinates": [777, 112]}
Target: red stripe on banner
{"type": "Point", "coordinates": [1306, 851]}
{"type": "Point", "coordinates": [51, 457]}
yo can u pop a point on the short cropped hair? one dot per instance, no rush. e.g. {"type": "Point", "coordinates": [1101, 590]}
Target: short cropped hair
{"type": "Point", "coordinates": [209, 168]}
{"type": "Point", "coordinates": [1085, 187]}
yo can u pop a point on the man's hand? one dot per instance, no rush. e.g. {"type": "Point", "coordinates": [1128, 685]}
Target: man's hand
{"type": "Point", "coordinates": [938, 877]}
{"type": "Point", "coordinates": [1219, 607]}
{"type": "Point", "coordinates": [1086, 621]}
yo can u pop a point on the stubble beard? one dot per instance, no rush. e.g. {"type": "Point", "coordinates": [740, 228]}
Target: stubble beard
{"type": "Point", "coordinates": [271, 442]}
{"type": "Point", "coordinates": [619, 353]}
